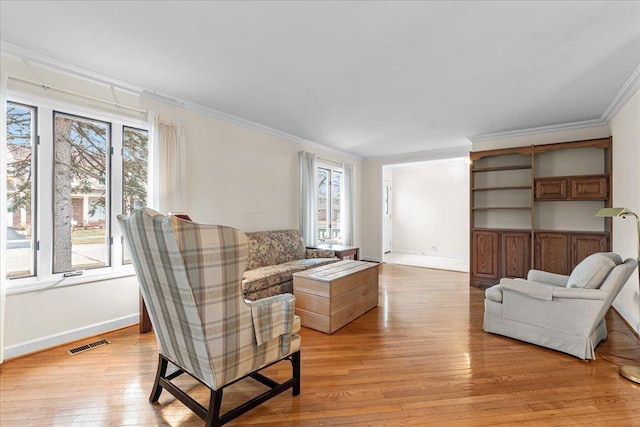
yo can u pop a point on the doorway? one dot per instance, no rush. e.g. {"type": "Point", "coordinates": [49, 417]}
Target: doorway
{"type": "Point", "coordinates": [425, 214]}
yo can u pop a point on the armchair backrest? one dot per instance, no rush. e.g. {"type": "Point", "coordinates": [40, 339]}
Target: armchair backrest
{"type": "Point", "coordinates": [613, 284]}
{"type": "Point", "coordinates": [618, 277]}
{"type": "Point", "coordinates": [190, 277]}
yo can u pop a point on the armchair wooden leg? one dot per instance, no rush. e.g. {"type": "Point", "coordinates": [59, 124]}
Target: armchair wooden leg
{"type": "Point", "coordinates": [295, 362]}
{"type": "Point", "coordinates": [213, 414]}
{"type": "Point", "coordinates": [161, 372]}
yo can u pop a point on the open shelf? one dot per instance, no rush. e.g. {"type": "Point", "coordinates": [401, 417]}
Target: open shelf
{"type": "Point", "coordinates": [503, 168]}
{"type": "Point", "coordinates": [535, 206]}
{"type": "Point", "coordinates": [486, 208]}
{"type": "Point", "coordinates": [515, 187]}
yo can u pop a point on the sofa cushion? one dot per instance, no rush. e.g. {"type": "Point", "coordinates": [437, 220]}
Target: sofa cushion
{"type": "Point", "coordinates": [592, 271]}
{"type": "Point", "coordinates": [264, 277]}
{"type": "Point", "coordinates": [320, 253]}
{"type": "Point", "coordinates": [274, 247]}
{"type": "Point", "coordinates": [308, 263]}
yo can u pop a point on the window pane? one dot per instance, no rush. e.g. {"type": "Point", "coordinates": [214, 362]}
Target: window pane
{"type": "Point", "coordinates": [80, 194]}
{"type": "Point", "coordinates": [20, 192]}
{"type": "Point", "coordinates": [336, 185]}
{"type": "Point", "coordinates": [323, 194]}
{"type": "Point", "coordinates": [135, 158]}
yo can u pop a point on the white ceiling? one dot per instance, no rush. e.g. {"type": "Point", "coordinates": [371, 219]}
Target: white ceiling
{"type": "Point", "coordinates": [369, 78]}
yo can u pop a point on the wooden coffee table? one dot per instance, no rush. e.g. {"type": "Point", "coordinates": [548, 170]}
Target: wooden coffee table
{"type": "Point", "coordinates": [330, 296]}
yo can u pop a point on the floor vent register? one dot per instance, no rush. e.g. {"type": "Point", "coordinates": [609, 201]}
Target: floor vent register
{"type": "Point", "coordinates": [87, 347]}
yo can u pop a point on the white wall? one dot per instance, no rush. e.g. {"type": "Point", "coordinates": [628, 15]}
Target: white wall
{"type": "Point", "coordinates": [236, 176]}
{"type": "Point", "coordinates": [625, 128]}
{"type": "Point", "coordinates": [431, 208]}
{"type": "Point", "coordinates": [372, 181]}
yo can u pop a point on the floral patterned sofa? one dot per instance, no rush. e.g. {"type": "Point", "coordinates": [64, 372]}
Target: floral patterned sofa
{"type": "Point", "coordinates": [273, 258]}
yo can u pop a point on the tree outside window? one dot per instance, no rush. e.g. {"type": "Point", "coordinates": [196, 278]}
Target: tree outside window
{"type": "Point", "coordinates": [20, 192]}
{"type": "Point", "coordinates": [84, 156]}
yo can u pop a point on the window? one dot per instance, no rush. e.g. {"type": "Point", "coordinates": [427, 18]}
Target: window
{"type": "Point", "coordinates": [135, 167]}
{"type": "Point", "coordinates": [329, 185]}
{"type": "Point", "coordinates": [90, 166]}
{"type": "Point", "coordinates": [80, 226]}
{"type": "Point", "coordinates": [21, 171]}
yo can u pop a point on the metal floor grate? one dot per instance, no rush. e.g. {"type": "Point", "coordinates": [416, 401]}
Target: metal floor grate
{"type": "Point", "coordinates": [86, 347]}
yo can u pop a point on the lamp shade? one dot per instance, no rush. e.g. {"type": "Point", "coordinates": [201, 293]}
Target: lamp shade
{"type": "Point", "coordinates": [613, 212]}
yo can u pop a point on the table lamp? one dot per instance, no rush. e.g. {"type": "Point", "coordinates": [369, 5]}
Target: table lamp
{"type": "Point", "coordinates": [629, 372]}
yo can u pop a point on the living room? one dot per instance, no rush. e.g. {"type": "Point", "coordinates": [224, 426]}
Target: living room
{"type": "Point", "coordinates": [244, 173]}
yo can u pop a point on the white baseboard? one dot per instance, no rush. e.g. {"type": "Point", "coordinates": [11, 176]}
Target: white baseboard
{"type": "Point", "coordinates": [68, 336]}
{"type": "Point", "coordinates": [632, 321]}
{"type": "Point", "coordinates": [431, 253]}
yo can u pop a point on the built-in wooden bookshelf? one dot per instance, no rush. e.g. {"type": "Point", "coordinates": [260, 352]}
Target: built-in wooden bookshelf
{"type": "Point", "coordinates": [535, 206]}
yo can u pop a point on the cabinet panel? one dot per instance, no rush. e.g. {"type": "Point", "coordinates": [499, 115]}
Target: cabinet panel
{"type": "Point", "coordinates": [516, 254]}
{"type": "Point", "coordinates": [583, 245]}
{"type": "Point", "coordinates": [589, 188]}
{"type": "Point", "coordinates": [552, 252]}
{"type": "Point", "coordinates": [551, 189]}
{"type": "Point", "coordinates": [485, 254]}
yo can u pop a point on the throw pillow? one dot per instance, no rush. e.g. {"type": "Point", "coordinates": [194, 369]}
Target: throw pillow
{"type": "Point", "coordinates": [592, 271]}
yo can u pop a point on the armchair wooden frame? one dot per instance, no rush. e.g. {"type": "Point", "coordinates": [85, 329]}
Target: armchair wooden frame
{"type": "Point", "coordinates": [211, 415]}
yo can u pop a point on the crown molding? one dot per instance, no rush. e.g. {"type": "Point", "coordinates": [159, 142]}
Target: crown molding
{"type": "Point", "coordinates": [631, 86]}
{"type": "Point", "coordinates": [538, 130]}
{"type": "Point", "coordinates": [629, 89]}
{"type": "Point", "coordinates": [47, 61]}
{"type": "Point", "coordinates": [30, 56]}
{"type": "Point", "coordinates": [420, 156]}
{"type": "Point", "coordinates": [230, 118]}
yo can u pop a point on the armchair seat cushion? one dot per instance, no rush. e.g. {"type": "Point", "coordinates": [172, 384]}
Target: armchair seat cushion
{"type": "Point", "coordinates": [592, 271]}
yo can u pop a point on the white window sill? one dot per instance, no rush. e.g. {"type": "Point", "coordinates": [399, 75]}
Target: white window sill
{"type": "Point", "coordinates": [22, 286]}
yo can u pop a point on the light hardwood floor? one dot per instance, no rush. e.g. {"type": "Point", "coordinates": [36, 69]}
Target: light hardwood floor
{"type": "Point", "coordinates": [419, 358]}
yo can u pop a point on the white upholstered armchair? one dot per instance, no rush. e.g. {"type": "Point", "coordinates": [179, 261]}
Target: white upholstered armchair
{"type": "Point", "coordinates": [564, 313]}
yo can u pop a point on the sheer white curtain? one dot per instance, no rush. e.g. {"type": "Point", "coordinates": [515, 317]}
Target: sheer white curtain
{"type": "Point", "coordinates": [168, 171]}
{"type": "Point", "coordinates": [308, 209]}
{"type": "Point", "coordinates": [3, 210]}
{"type": "Point", "coordinates": [347, 208]}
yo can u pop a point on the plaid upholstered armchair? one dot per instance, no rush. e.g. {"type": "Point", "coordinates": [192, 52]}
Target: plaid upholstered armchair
{"type": "Point", "coordinates": [190, 276]}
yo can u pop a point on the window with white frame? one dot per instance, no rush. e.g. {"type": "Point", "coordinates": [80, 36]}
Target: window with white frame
{"type": "Point", "coordinates": [83, 166]}
{"type": "Point", "coordinates": [328, 191]}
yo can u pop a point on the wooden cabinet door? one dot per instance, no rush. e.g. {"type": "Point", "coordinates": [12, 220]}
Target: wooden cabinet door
{"type": "Point", "coordinates": [552, 253]}
{"type": "Point", "coordinates": [516, 254]}
{"type": "Point", "coordinates": [590, 188]}
{"type": "Point", "coordinates": [551, 189]}
{"type": "Point", "coordinates": [583, 245]}
{"type": "Point", "coordinates": [485, 254]}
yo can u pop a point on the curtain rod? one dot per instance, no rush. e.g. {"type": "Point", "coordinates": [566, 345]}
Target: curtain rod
{"type": "Point", "coordinates": [78, 94]}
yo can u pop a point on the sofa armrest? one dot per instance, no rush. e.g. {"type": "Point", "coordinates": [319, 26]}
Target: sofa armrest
{"type": "Point", "coordinates": [272, 317]}
{"type": "Point", "coordinates": [549, 278]}
{"type": "Point", "coordinates": [320, 253]}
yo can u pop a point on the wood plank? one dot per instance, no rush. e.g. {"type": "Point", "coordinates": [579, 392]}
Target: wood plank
{"type": "Point", "coordinates": [419, 358]}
